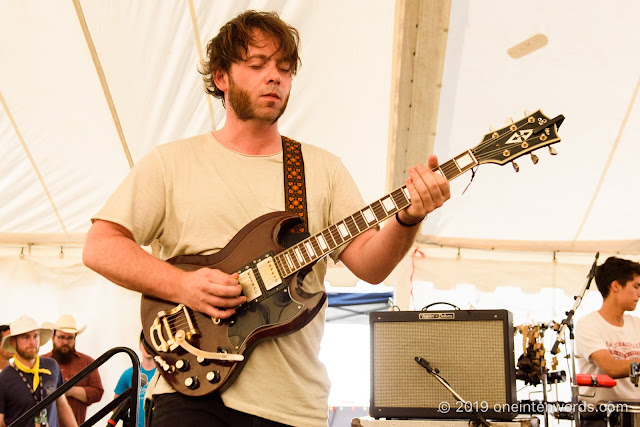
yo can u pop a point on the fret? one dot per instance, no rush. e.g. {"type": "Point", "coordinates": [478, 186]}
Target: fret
{"type": "Point", "coordinates": [298, 255]}
{"type": "Point", "coordinates": [360, 221]}
{"type": "Point", "coordinates": [378, 210]}
{"type": "Point", "coordinates": [336, 235]}
{"type": "Point", "coordinates": [407, 196]}
{"type": "Point", "coordinates": [316, 247]}
{"type": "Point", "coordinates": [309, 249]}
{"type": "Point", "coordinates": [389, 205]}
{"type": "Point", "coordinates": [464, 161]}
{"type": "Point", "coordinates": [290, 261]}
{"type": "Point", "coordinates": [306, 256]}
{"type": "Point", "coordinates": [284, 271]}
{"type": "Point", "coordinates": [328, 235]}
{"type": "Point", "coordinates": [322, 242]}
{"type": "Point", "coordinates": [450, 169]}
{"type": "Point", "coordinates": [399, 199]}
{"type": "Point", "coordinates": [351, 226]}
{"type": "Point", "coordinates": [368, 214]}
{"type": "Point", "coordinates": [344, 232]}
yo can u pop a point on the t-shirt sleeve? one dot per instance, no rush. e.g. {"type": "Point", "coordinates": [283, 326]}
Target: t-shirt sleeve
{"type": "Point", "coordinates": [124, 382]}
{"type": "Point", "coordinates": [138, 204]}
{"type": "Point", "coordinates": [589, 338]}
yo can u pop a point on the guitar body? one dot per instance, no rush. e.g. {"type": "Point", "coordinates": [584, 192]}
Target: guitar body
{"type": "Point", "coordinates": [278, 311]}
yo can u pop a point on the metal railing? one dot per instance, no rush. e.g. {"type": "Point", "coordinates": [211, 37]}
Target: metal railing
{"type": "Point", "coordinates": [131, 393]}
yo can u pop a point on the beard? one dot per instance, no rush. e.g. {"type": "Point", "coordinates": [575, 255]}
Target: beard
{"type": "Point", "coordinates": [27, 354]}
{"type": "Point", "coordinates": [240, 101]}
{"type": "Point", "coordinates": [64, 354]}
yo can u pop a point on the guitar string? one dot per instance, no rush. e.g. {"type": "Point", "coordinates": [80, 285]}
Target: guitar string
{"type": "Point", "coordinates": [447, 168]}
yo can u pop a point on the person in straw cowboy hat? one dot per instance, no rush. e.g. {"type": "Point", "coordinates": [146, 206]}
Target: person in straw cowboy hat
{"type": "Point", "coordinates": [89, 390]}
{"type": "Point", "coordinates": [31, 378]}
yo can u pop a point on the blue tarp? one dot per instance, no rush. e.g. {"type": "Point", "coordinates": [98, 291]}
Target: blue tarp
{"type": "Point", "coordinates": [354, 307]}
{"type": "Point", "coordinates": [340, 299]}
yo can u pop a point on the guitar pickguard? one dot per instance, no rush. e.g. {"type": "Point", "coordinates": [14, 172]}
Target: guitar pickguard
{"type": "Point", "coordinates": [277, 309]}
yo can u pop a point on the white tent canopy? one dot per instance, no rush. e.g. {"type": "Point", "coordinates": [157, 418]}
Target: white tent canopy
{"type": "Point", "coordinates": [88, 87]}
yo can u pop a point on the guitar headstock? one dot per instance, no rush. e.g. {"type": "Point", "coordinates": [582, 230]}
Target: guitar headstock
{"type": "Point", "coordinates": [519, 138]}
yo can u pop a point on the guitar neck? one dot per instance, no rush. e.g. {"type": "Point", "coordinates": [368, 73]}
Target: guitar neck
{"type": "Point", "coordinates": [319, 245]}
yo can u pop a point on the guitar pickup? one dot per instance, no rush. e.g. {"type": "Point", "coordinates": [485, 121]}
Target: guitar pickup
{"type": "Point", "coordinates": [250, 285]}
{"type": "Point", "coordinates": [269, 273]}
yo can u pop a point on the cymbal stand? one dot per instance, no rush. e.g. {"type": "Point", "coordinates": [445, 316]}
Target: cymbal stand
{"type": "Point", "coordinates": [478, 420]}
{"type": "Point", "coordinates": [568, 323]}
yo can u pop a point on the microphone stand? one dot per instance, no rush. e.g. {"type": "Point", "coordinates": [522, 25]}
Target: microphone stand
{"type": "Point", "coordinates": [568, 323]}
{"type": "Point", "coordinates": [477, 418]}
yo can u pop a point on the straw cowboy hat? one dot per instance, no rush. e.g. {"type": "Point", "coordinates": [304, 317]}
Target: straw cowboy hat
{"type": "Point", "coordinates": [65, 323]}
{"type": "Point", "coordinates": [22, 325]}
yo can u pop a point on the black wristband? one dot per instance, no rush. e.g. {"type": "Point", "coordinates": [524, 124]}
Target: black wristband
{"type": "Point", "coordinates": [404, 224]}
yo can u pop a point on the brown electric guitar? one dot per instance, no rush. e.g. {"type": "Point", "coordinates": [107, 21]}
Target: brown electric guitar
{"type": "Point", "coordinates": [197, 354]}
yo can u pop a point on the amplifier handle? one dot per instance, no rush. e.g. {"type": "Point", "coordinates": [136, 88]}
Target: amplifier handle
{"type": "Point", "coordinates": [426, 307]}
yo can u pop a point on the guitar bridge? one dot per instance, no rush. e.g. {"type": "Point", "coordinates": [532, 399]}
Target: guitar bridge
{"type": "Point", "coordinates": [173, 323]}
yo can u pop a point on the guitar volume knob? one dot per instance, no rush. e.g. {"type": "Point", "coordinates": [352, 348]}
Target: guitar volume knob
{"type": "Point", "coordinates": [213, 377]}
{"type": "Point", "coordinates": [203, 361]}
{"type": "Point", "coordinates": [192, 383]}
{"type": "Point", "coordinates": [182, 365]}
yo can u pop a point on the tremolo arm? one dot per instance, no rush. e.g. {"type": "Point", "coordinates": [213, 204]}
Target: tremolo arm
{"type": "Point", "coordinates": [180, 314]}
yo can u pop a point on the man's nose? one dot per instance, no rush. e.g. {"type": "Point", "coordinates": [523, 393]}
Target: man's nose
{"type": "Point", "coordinates": [273, 74]}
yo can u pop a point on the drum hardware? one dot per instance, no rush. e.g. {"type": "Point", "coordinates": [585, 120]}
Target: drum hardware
{"type": "Point", "coordinates": [623, 414]}
{"type": "Point", "coordinates": [556, 377]}
{"type": "Point", "coordinates": [634, 373]}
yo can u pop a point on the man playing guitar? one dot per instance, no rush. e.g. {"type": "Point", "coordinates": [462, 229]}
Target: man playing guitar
{"type": "Point", "coordinates": [194, 195]}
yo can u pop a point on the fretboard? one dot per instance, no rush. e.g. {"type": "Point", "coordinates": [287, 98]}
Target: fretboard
{"type": "Point", "coordinates": [319, 245]}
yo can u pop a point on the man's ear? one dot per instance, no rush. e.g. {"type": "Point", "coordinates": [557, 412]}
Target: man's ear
{"type": "Point", "coordinates": [616, 286]}
{"type": "Point", "coordinates": [221, 79]}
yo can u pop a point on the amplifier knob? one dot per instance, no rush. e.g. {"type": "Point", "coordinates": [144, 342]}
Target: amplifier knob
{"type": "Point", "coordinates": [213, 377]}
{"type": "Point", "coordinates": [182, 365]}
{"type": "Point", "coordinates": [203, 361]}
{"type": "Point", "coordinates": [192, 383]}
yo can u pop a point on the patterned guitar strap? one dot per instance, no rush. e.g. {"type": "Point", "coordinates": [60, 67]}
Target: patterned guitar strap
{"type": "Point", "coordinates": [295, 194]}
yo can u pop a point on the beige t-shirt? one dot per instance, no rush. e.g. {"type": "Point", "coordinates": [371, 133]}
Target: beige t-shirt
{"type": "Point", "coordinates": [193, 196]}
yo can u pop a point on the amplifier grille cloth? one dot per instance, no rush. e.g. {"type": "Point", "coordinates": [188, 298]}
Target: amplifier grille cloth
{"type": "Point", "coordinates": [469, 355]}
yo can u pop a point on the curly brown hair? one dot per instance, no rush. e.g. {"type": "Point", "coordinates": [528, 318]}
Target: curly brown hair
{"type": "Point", "coordinates": [233, 41]}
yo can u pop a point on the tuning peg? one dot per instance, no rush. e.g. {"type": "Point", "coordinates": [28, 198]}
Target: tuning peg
{"type": "Point", "coordinates": [552, 151]}
{"type": "Point", "coordinates": [508, 121]}
{"type": "Point", "coordinates": [527, 113]}
{"type": "Point", "coordinates": [534, 159]}
{"type": "Point", "coordinates": [515, 166]}
{"type": "Point", "coordinates": [492, 129]}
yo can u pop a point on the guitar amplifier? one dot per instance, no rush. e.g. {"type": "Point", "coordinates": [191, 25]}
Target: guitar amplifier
{"type": "Point", "coordinates": [472, 349]}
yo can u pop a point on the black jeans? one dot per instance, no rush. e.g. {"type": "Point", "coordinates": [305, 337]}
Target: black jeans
{"type": "Point", "coordinates": [177, 410]}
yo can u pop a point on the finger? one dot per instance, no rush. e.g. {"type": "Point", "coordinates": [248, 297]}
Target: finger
{"type": "Point", "coordinates": [218, 313]}
{"type": "Point", "coordinates": [443, 182]}
{"type": "Point", "coordinates": [414, 194]}
{"type": "Point", "coordinates": [217, 276]}
{"type": "Point", "coordinates": [428, 184]}
{"type": "Point", "coordinates": [227, 291]}
{"type": "Point", "coordinates": [432, 162]}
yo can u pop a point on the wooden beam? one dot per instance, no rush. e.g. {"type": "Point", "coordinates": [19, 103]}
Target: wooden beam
{"type": "Point", "coordinates": [420, 42]}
